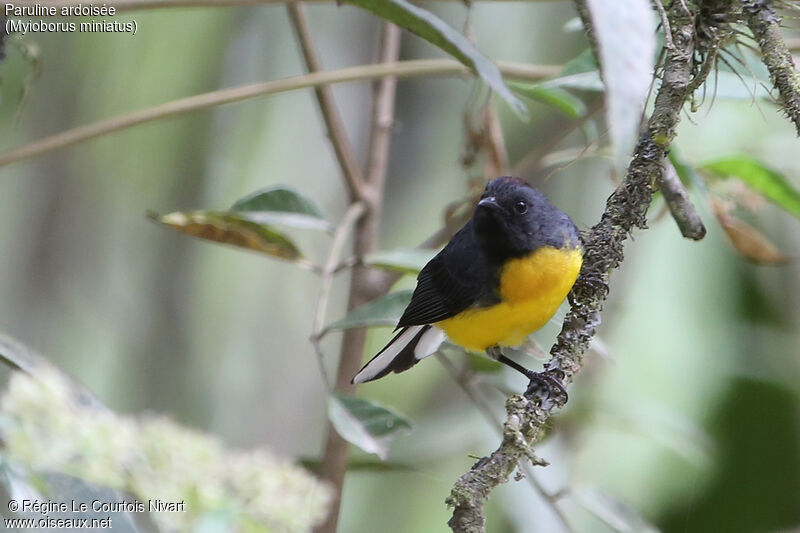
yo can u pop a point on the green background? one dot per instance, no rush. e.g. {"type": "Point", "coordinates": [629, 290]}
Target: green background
{"type": "Point", "coordinates": [695, 423]}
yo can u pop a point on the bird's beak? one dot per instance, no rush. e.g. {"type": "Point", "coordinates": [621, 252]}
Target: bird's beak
{"type": "Point", "coordinates": [490, 203]}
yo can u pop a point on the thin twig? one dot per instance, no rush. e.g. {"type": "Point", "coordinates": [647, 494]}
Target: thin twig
{"type": "Point", "coordinates": [307, 264]}
{"type": "Point", "coordinates": [765, 25]}
{"type": "Point", "coordinates": [484, 143]}
{"type": "Point", "coordinates": [330, 113]}
{"type": "Point", "coordinates": [554, 158]}
{"type": "Point", "coordinates": [708, 63]}
{"type": "Point", "coordinates": [382, 115]}
{"type": "Point", "coordinates": [664, 24]}
{"type": "Point", "coordinates": [532, 161]}
{"type": "Point", "coordinates": [603, 252]}
{"type": "Point", "coordinates": [497, 155]}
{"type": "Point", "coordinates": [402, 69]}
{"type": "Point", "coordinates": [584, 13]}
{"type": "Point", "coordinates": [524, 71]}
{"type": "Point", "coordinates": [679, 203]}
{"type": "Point", "coordinates": [363, 286]}
{"type": "Point", "coordinates": [463, 382]}
{"type": "Point", "coordinates": [343, 231]}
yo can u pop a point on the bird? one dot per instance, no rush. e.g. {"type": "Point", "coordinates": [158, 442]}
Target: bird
{"type": "Point", "coordinates": [501, 277]}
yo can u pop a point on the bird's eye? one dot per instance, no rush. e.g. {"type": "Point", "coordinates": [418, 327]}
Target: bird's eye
{"type": "Point", "coordinates": [521, 207]}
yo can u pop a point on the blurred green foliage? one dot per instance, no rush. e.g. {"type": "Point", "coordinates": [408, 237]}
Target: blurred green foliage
{"type": "Point", "coordinates": [184, 478]}
{"type": "Point", "coordinates": [694, 425]}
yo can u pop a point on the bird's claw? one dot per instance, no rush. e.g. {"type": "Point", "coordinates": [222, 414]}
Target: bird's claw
{"type": "Point", "coordinates": [546, 386]}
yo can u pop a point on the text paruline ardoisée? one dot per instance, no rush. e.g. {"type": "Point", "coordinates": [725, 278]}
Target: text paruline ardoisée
{"type": "Point", "coordinates": [79, 10]}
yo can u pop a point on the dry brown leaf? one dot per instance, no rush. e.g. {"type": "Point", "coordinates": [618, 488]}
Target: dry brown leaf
{"type": "Point", "coordinates": [231, 229]}
{"type": "Point", "coordinates": [748, 241]}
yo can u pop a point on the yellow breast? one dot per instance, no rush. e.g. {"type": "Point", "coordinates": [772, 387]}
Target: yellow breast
{"type": "Point", "coordinates": [531, 290]}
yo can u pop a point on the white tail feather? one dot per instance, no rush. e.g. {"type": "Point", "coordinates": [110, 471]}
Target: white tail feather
{"type": "Point", "coordinates": [425, 345]}
{"type": "Point", "coordinates": [428, 343]}
{"type": "Point", "coordinates": [385, 358]}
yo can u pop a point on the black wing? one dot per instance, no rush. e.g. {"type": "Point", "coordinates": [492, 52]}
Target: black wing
{"type": "Point", "coordinates": [459, 277]}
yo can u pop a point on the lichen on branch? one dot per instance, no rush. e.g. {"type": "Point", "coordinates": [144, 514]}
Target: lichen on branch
{"type": "Point", "coordinates": [626, 210]}
{"type": "Point", "coordinates": [764, 22]}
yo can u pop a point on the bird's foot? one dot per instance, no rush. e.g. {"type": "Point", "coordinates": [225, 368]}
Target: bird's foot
{"type": "Point", "coordinates": [546, 386]}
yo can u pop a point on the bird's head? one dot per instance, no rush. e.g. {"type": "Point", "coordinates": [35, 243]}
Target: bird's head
{"type": "Point", "coordinates": [513, 219]}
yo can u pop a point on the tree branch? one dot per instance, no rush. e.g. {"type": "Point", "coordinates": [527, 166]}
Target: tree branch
{"type": "Point", "coordinates": [679, 204]}
{"type": "Point", "coordinates": [463, 381]}
{"type": "Point", "coordinates": [330, 114]}
{"type": "Point", "coordinates": [603, 251]}
{"type": "Point", "coordinates": [586, 19]}
{"type": "Point", "coordinates": [343, 231]}
{"type": "Point", "coordinates": [382, 118]}
{"type": "Point", "coordinates": [182, 106]}
{"type": "Point", "coordinates": [765, 25]}
{"type": "Point", "coordinates": [362, 287]}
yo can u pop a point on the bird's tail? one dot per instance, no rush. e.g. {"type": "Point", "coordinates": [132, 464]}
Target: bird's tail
{"type": "Point", "coordinates": [405, 350]}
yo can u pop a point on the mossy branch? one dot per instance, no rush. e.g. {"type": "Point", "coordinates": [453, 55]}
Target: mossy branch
{"type": "Point", "coordinates": [765, 25]}
{"type": "Point", "coordinates": [679, 204]}
{"type": "Point", "coordinates": [625, 210]}
{"type": "Point", "coordinates": [677, 198]}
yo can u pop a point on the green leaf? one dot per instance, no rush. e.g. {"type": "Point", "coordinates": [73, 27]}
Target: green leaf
{"type": "Point", "coordinates": [361, 465]}
{"type": "Point", "coordinates": [625, 33]}
{"type": "Point", "coordinates": [19, 482]}
{"type": "Point", "coordinates": [405, 260]}
{"type": "Point", "coordinates": [583, 62]}
{"type": "Point", "coordinates": [434, 30]}
{"type": "Point", "coordinates": [572, 25]}
{"type": "Point", "coordinates": [580, 73]}
{"type": "Point", "coordinates": [762, 179]}
{"type": "Point", "coordinates": [281, 205]}
{"type": "Point", "coordinates": [280, 199]}
{"type": "Point", "coordinates": [365, 424]}
{"type": "Point", "coordinates": [233, 229]}
{"type": "Point", "coordinates": [555, 97]}
{"type": "Point", "coordinates": [580, 81]}
{"type": "Point", "coordinates": [19, 357]}
{"type": "Point", "coordinates": [384, 311]}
